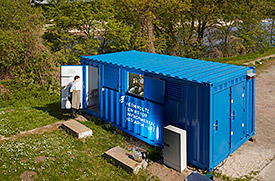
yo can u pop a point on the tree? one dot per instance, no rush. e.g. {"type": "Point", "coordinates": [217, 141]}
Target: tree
{"type": "Point", "coordinates": [250, 28]}
{"type": "Point", "coordinates": [85, 28]}
{"type": "Point", "coordinates": [190, 28]}
{"type": "Point", "coordinates": [21, 50]}
{"type": "Point", "coordinates": [168, 25]}
{"type": "Point", "coordinates": [139, 14]}
{"type": "Point", "coordinates": [270, 15]}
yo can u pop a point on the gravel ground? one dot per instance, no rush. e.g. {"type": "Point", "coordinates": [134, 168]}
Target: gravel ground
{"type": "Point", "coordinates": [256, 158]}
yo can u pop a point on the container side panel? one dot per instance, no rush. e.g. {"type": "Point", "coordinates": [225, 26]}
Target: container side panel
{"type": "Point", "coordinates": [191, 114]}
{"type": "Point", "coordinates": [253, 106]}
{"type": "Point", "coordinates": [111, 77]}
{"type": "Point", "coordinates": [248, 118]}
{"type": "Point", "coordinates": [137, 117]}
{"type": "Point", "coordinates": [118, 109]}
{"type": "Point", "coordinates": [155, 122]}
{"type": "Point", "coordinates": [112, 106]}
{"type": "Point", "coordinates": [123, 111]}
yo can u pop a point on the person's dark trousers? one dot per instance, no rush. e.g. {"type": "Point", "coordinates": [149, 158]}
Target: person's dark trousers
{"type": "Point", "coordinates": [73, 111]}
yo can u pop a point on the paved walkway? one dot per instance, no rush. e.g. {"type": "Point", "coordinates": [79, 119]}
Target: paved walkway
{"type": "Point", "coordinates": [268, 173]}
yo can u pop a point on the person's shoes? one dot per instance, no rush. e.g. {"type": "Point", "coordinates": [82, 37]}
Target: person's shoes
{"type": "Point", "coordinates": [79, 111]}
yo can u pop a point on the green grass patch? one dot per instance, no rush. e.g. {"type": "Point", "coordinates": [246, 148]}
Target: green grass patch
{"type": "Point", "coordinates": [22, 115]}
{"type": "Point", "coordinates": [65, 157]}
{"type": "Point", "coordinates": [15, 120]}
{"type": "Point", "coordinates": [26, 114]}
{"type": "Point", "coordinates": [239, 60]}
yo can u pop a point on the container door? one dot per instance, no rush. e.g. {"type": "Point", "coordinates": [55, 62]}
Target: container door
{"type": "Point", "coordinates": [221, 126]}
{"type": "Point", "coordinates": [154, 89]}
{"type": "Point", "coordinates": [67, 75]}
{"type": "Point", "coordinates": [92, 88]}
{"type": "Point", "coordinates": [237, 115]}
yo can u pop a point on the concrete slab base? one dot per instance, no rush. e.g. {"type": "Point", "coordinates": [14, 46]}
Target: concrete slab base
{"type": "Point", "coordinates": [267, 174]}
{"type": "Point", "coordinates": [77, 128]}
{"type": "Point", "coordinates": [123, 158]}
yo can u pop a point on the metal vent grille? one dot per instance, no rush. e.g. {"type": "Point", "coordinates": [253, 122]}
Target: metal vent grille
{"type": "Point", "coordinates": [173, 90]}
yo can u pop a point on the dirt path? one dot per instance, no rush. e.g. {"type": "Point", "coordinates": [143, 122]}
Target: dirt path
{"type": "Point", "coordinates": [259, 59]}
{"type": "Point", "coordinates": [254, 157]}
{"type": "Point", "coordinates": [48, 128]}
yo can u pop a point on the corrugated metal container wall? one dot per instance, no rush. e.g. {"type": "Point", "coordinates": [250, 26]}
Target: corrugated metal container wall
{"type": "Point", "coordinates": [140, 118]}
{"type": "Point", "coordinates": [214, 102]}
{"type": "Point", "coordinates": [187, 107]}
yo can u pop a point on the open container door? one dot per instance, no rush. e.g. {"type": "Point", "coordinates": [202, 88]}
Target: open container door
{"type": "Point", "coordinates": [68, 72]}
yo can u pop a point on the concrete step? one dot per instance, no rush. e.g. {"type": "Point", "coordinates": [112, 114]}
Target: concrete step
{"type": "Point", "coordinates": [77, 128]}
{"type": "Point", "coordinates": [123, 158]}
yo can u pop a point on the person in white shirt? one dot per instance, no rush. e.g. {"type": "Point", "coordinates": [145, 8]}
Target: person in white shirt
{"type": "Point", "coordinates": [72, 86]}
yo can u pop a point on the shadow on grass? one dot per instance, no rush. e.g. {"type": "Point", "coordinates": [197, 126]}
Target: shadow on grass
{"type": "Point", "coordinates": [54, 109]}
{"type": "Point", "coordinates": [107, 126]}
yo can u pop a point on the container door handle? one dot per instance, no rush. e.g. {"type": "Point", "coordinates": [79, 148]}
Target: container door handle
{"type": "Point", "coordinates": [215, 125]}
{"type": "Point", "coordinates": [233, 115]}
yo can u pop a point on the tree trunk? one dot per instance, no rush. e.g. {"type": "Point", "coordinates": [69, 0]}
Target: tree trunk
{"type": "Point", "coordinates": [149, 31]}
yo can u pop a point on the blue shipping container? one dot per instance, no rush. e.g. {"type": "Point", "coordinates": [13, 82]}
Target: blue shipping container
{"type": "Point", "coordinates": [140, 93]}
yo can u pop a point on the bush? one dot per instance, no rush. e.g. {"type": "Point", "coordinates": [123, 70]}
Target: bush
{"type": "Point", "coordinates": [22, 54]}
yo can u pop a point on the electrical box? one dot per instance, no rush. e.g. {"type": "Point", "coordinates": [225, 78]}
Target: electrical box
{"type": "Point", "coordinates": [175, 148]}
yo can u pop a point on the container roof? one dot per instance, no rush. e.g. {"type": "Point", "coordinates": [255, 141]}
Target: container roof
{"type": "Point", "coordinates": [200, 71]}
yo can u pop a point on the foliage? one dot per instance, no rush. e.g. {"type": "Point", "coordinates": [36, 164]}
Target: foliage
{"type": "Point", "coordinates": [270, 14]}
{"type": "Point", "coordinates": [169, 26]}
{"type": "Point", "coordinates": [189, 28]}
{"type": "Point", "coordinates": [139, 14]}
{"type": "Point", "coordinates": [85, 28]}
{"type": "Point", "coordinates": [250, 30]}
{"type": "Point", "coordinates": [22, 55]}
{"type": "Point", "coordinates": [224, 28]}
{"type": "Point", "coordinates": [25, 89]}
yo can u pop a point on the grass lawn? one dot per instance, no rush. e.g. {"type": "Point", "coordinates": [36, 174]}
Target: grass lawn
{"type": "Point", "coordinates": [16, 116]}
{"type": "Point", "coordinates": [57, 155]}
{"type": "Point", "coordinates": [60, 156]}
